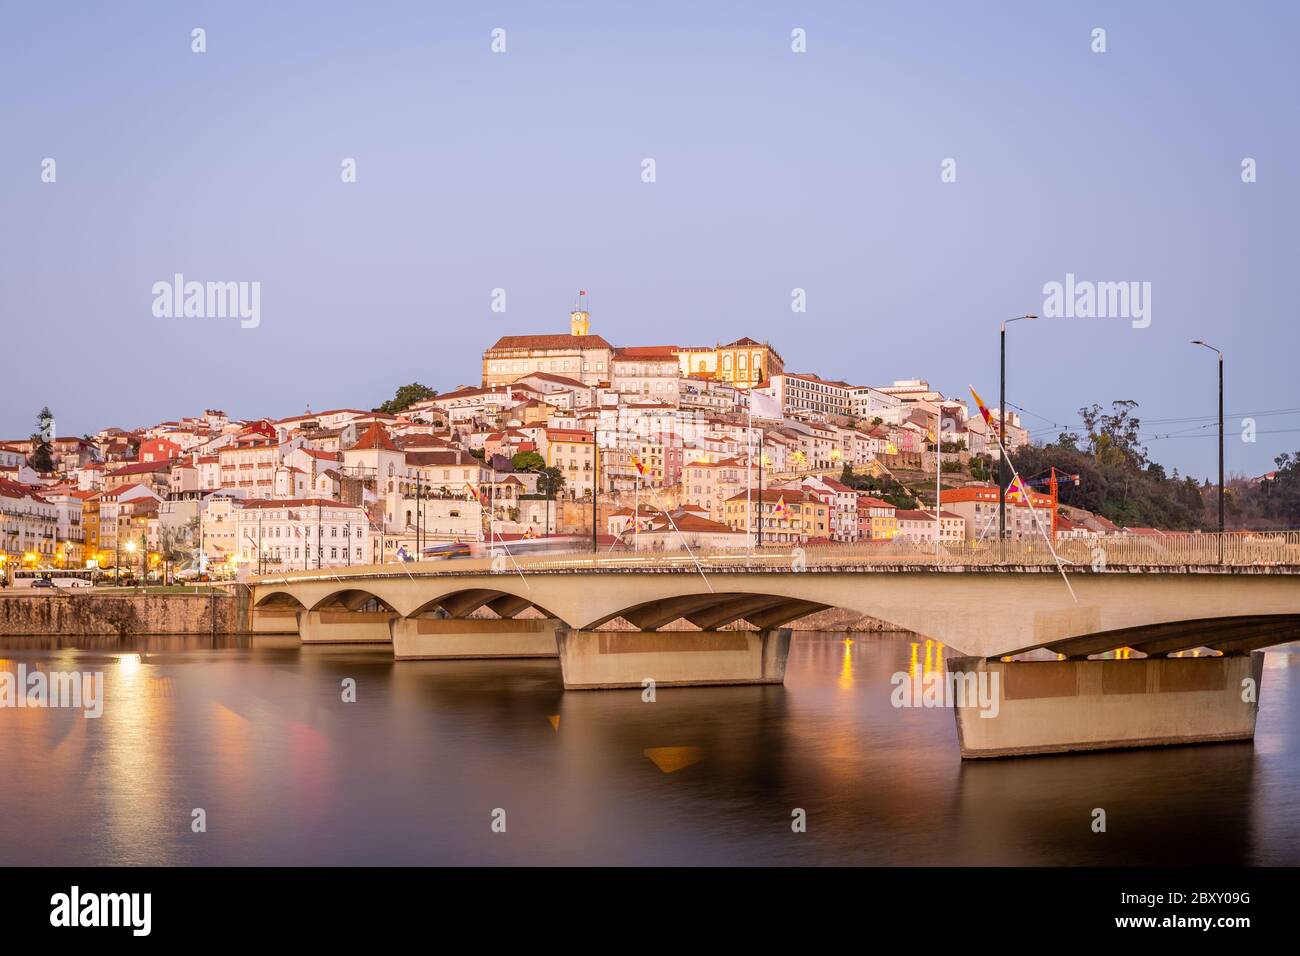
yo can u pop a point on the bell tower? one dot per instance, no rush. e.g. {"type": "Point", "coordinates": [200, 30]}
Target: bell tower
{"type": "Point", "coordinates": [579, 318]}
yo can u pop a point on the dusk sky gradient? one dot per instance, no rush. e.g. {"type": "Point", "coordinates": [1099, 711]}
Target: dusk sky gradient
{"type": "Point", "coordinates": [775, 171]}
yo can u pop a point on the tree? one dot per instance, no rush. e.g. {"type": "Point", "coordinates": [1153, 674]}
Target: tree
{"type": "Point", "coordinates": [886, 488]}
{"type": "Point", "coordinates": [176, 544]}
{"type": "Point", "coordinates": [405, 397]}
{"type": "Point", "coordinates": [42, 442]}
{"type": "Point", "coordinates": [528, 461]}
{"type": "Point", "coordinates": [550, 482]}
{"type": "Point", "coordinates": [1113, 437]}
{"type": "Point", "coordinates": [1116, 478]}
{"type": "Point", "coordinates": [1265, 503]}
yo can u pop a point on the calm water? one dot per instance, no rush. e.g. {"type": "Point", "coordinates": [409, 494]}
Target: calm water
{"type": "Point", "coordinates": [287, 773]}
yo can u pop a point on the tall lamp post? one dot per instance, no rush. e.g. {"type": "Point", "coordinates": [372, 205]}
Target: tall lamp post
{"type": "Point", "coordinates": [1002, 434]}
{"type": "Point", "coordinates": [1220, 354]}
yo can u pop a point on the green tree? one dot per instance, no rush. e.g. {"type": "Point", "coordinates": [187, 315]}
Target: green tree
{"type": "Point", "coordinates": [550, 482]}
{"type": "Point", "coordinates": [886, 488]}
{"type": "Point", "coordinates": [42, 442]}
{"type": "Point", "coordinates": [406, 396]}
{"type": "Point", "coordinates": [1116, 477]}
{"type": "Point", "coordinates": [528, 461]}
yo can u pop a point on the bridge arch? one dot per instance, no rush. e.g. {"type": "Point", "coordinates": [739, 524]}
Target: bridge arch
{"type": "Point", "coordinates": [711, 610]}
{"type": "Point", "coordinates": [462, 602]}
{"type": "Point", "coordinates": [352, 599]}
{"type": "Point", "coordinates": [279, 599]}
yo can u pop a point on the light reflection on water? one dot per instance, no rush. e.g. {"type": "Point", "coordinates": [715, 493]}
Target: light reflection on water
{"type": "Point", "coordinates": [259, 737]}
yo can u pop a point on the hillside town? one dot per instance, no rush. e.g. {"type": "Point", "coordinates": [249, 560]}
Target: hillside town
{"type": "Point", "coordinates": [695, 446]}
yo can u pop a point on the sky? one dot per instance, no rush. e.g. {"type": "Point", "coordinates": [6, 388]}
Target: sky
{"type": "Point", "coordinates": [774, 170]}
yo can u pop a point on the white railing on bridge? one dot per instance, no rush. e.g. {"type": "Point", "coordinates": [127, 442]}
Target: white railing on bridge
{"type": "Point", "coordinates": [1172, 550]}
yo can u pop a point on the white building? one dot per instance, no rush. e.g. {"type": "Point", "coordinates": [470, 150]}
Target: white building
{"type": "Point", "coordinates": [301, 533]}
{"type": "Point", "coordinates": [28, 525]}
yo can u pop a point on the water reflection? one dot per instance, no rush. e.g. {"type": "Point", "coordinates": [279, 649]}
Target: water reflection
{"type": "Point", "coordinates": [257, 734]}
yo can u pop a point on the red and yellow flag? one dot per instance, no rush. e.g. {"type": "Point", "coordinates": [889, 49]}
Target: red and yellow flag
{"type": "Point", "coordinates": [983, 410]}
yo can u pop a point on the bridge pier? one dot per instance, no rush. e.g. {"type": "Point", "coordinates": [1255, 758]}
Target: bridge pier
{"type": "Point", "coordinates": [1040, 707]}
{"type": "Point", "coordinates": [593, 660]}
{"type": "Point", "coordinates": [273, 620]}
{"type": "Point", "coordinates": [434, 639]}
{"type": "Point", "coordinates": [344, 627]}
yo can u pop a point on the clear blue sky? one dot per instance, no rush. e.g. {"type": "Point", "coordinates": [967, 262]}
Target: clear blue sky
{"type": "Point", "coordinates": [775, 171]}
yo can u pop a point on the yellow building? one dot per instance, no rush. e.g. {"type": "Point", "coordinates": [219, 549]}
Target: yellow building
{"type": "Point", "coordinates": [877, 520]}
{"type": "Point", "coordinates": [573, 452]}
{"type": "Point", "coordinates": [743, 363]}
{"type": "Point", "coordinates": [787, 516]}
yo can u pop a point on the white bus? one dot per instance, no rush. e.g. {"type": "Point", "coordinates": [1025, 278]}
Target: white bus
{"type": "Point", "coordinates": [58, 577]}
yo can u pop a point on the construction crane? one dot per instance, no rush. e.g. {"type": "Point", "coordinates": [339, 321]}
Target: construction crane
{"type": "Point", "coordinates": [1053, 479]}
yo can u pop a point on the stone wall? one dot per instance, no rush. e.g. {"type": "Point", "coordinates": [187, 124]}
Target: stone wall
{"type": "Point", "coordinates": [88, 614]}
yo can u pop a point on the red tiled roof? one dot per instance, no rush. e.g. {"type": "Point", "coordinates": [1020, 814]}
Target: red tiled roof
{"type": "Point", "coordinates": [375, 437]}
{"type": "Point", "coordinates": [549, 377]}
{"type": "Point", "coordinates": [648, 352]}
{"type": "Point", "coordinates": [258, 503]}
{"type": "Point", "coordinates": [508, 342]}
{"type": "Point", "coordinates": [141, 468]}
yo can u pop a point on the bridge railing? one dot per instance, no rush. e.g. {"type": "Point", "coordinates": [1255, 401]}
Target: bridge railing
{"type": "Point", "coordinates": [1096, 553]}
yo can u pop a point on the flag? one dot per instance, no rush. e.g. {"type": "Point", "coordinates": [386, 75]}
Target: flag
{"type": "Point", "coordinates": [780, 506]}
{"type": "Point", "coordinates": [1016, 488]}
{"type": "Point", "coordinates": [638, 465]}
{"type": "Point", "coordinates": [582, 292]}
{"type": "Point", "coordinates": [762, 405]}
{"type": "Point", "coordinates": [984, 412]}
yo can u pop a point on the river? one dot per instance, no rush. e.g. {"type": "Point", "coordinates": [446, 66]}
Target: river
{"type": "Point", "coordinates": [417, 768]}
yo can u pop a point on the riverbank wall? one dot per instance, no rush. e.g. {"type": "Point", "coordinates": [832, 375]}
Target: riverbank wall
{"type": "Point", "coordinates": [77, 615]}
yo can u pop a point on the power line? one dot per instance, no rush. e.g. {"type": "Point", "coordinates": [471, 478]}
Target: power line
{"type": "Point", "coordinates": [1271, 431]}
{"type": "Point", "coordinates": [1215, 417]}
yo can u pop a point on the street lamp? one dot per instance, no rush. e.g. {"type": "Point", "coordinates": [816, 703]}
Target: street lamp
{"type": "Point", "coordinates": [130, 550]}
{"type": "Point", "coordinates": [1220, 354]}
{"type": "Point", "coordinates": [1002, 431]}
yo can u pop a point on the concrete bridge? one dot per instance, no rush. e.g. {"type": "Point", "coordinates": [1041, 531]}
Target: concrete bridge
{"type": "Point", "coordinates": [690, 620]}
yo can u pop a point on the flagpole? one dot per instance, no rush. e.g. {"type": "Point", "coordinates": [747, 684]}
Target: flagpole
{"type": "Point", "coordinates": [938, 473]}
{"type": "Point", "coordinates": [749, 474]}
{"type": "Point", "coordinates": [1028, 501]}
